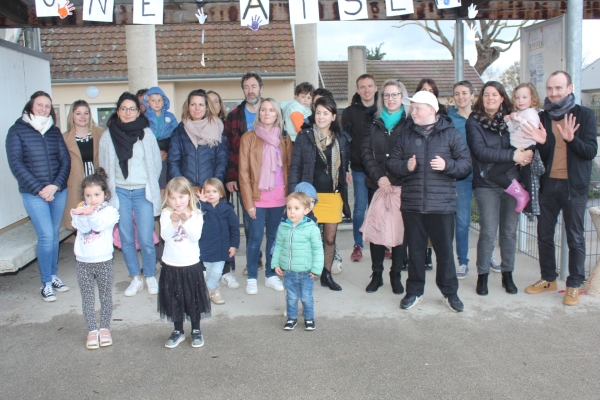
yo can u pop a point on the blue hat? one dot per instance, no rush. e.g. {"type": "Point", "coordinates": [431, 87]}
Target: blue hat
{"type": "Point", "coordinates": [307, 189]}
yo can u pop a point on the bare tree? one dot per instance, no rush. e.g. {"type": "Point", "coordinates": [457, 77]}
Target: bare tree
{"type": "Point", "coordinates": [511, 77]}
{"type": "Point", "coordinates": [489, 46]}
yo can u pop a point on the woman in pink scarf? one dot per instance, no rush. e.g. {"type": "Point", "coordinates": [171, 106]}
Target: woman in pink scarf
{"type": "Point", "coordinates": [263, 174]}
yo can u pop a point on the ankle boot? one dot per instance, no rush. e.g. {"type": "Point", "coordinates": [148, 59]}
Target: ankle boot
{"type": "Point", "coordinates": [327, 280]}
{"type": "Point", "coordinates": [508, 284]}
{"type": "Point", "coordinates": [376, 282]}
{"type": "Point", "coordinates": [396, 282]}
{"type": "Point", "coordinates": [482, 288]}
{"type": "Point", "coordinates": [428, 263]}
{"type": "Point", "coordinates": [518, 192]}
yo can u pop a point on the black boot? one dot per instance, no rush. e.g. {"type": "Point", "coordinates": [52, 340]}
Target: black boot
{"type": "Point", "coordinates": [376, 282]}
{"type": "Point", "coordinates": [508, 284]}
{"type": "Point", "coordinates": [327, 280]}
{"type": "Point", "coordinates": [396, 282]}
{"type": "Point", "coordinates": [482, 288]}
{"type": "Point", "coordinates": [428, 263]}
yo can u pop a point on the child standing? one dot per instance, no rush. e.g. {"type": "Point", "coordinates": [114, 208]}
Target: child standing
{"type": "Point", "coordinates": [182, 289]}
{"type": "Point", "coordinates": [220, 234]}
{"type": "Point", "coordinates": [94, 220]}
{"type": "Point", "coordinates": [296, 112]}
{"type": "Point", "coordinates": [298, 257]}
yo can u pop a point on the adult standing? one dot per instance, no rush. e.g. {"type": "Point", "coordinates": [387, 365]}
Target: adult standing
{"type": "Point", "coordinates": [321, 157]}
{"type": "Point", "coordinates": [39, 160]}
{"type": "Point", "coordinates": [489, 142]}
{"type": "Point", "coordinates": [83, 142]}
{"type": "Point", "coordinates": [390, 120]}
{"type": "Point", "coordinates": [356, 120]}
{"type": "Point", "coordinates": [130, 155]}
{"type": "Point", "coordinates": [219, 107]}
{"type": "Point", "coordinates": [567, 153]}
{"type": "Point", "coordinates": [263, 174]}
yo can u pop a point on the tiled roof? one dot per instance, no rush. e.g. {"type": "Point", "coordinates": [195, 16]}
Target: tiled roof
{"type": "Point", "coordinates": [335, 74]}
{"type": "Point", "coordinates": [590, 76]}
{"type": "Point", "coordinates": [99, 52]}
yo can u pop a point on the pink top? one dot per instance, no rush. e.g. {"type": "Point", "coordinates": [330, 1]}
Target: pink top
{"type": "Point", "coordinates": [276, 197]}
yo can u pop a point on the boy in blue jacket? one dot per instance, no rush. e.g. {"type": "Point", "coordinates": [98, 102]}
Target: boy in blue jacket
{"type": "Point", "coordinates": [298, 257]}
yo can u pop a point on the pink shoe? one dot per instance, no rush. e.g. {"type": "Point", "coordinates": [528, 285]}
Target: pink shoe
{"type": "Point", "coordinates": [105, 337]}
{"type": "Point", "coordinates": [519, 193]}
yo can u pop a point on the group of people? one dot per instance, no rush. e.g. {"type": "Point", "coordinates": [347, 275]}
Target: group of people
{"type": "Point", "coordinates": [291, 164]}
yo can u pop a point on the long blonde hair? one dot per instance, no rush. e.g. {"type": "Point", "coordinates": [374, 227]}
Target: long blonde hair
{"type": "Point", "coordinates": [92, 126]}
{"type": "Point", "coordinates": [182, 186]}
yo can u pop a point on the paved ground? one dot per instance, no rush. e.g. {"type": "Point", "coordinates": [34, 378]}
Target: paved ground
{"type": "Point", "coordinates": [502, 346]}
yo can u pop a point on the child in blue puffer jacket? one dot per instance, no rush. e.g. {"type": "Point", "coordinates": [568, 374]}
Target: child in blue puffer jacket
{"type": "Point", "coordinates": [298, 257]}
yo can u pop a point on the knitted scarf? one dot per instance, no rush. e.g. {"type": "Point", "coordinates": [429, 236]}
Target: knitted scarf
{"type": "Point", "coordinates": [558, 110]}
{"type": "Point", "coordinates": [336, 161]}
{"type": "Point", "coordinates": [203, 132]}
{"type": "Point", "coordinates": [124, 135]}
{"type": "Point", "coordinates": [496, 124]}
{"type": "Point", "coordinates": [271, 158]}
{"type": "Point", "coordinates": [38, 122]}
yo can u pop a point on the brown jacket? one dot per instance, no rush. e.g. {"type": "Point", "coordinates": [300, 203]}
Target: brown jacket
{"type": "Point", "coordinates": [76, 175]}
{"type": "Point", "coordinates": [251, 147]}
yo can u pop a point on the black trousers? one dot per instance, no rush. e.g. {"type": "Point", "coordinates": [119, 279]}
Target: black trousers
{"type": "Point", "coordinates": [440, 229]}
{"type": "Point", "coordinates": [554, 197]}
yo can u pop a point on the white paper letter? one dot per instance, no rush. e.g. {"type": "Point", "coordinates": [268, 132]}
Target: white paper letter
{"type": "Point", "coordinates": [148, 12]}
{"type": "Point", "coordinates": [98, 10]}
{"type": "Point", "coordinates": [304, 11]}
{"type": "Point", "coordinates": [394, 8]}
{"type": "Point", "coordinates": [353, 9]}
{"type": "Point", "coordinates": [47, 8]}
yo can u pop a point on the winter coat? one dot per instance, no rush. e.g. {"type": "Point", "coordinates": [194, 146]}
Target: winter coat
{"type": "Point", "coordinates": [169, 122]}
{"type": "Point", "coordinates": [459, 123]}
{"type": "Point", "coordinates": [37, 160]}
{"type": "Point", "coordinates": [197, 164]}
{"type": "Point", "coordinates": [356, 120]}
{"type": "Point", "coordinates": [299, 248]}
{"type": "Point", "coordinates": [424, 190]}
{"type": "Point", "coordinates": [383, 223]}
{"type": "Point", "coordinates": [221, 231]}
{"type": "Point", "coordinates": [304, 158]}
{"type": "Point", "coordinates": [581, 151]}
{"type": "Point", "coordinates": [376, 148]}
{"type": "Point", "coordinates": [487, 148]}
{"type": "Point", "coordinates": [235, 127]}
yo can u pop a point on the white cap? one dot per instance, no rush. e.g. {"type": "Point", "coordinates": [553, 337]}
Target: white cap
{"type": "Point", "coordinates": [423, 97]}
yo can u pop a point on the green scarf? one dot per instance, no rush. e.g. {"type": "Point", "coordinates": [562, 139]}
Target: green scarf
{"type": "Point", "coordinates": [390, 120]}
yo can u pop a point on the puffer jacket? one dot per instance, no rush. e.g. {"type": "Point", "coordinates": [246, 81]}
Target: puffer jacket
{"type": "Point", "coordinates": [376, 148]}
{"type": "Point", "coordinates": [197, 164]}
{"type": "Point", "coordinates": [356, 120]}
{"type": "Point", "coordinates": [304, 158]}
{"type": "Point", "coordinates": [299, 248]}
{"type": "Point", "coordinates": [424, 190]}
{"type": "Point", "coordinates": [487, 148]}
{"type": "Point", "coordinates": [221, 230]}
{"type": "Point", "coordinates": [37, 160]}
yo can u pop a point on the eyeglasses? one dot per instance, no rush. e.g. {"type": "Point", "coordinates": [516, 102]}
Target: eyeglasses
{"type": "Point", "coordinates": [132, 110]}
{"type": "Point", "coordinates": [392, 95]}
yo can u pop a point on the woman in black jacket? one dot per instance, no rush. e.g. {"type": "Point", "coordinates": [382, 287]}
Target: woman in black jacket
{"type": "Point", "coordinates": [321, 156]}
{"type": "Point", "coordinates": [390, 120]}
{"type": "Point", "coordinates": [39, 159]}
{"type": "Point", "coordinates": [489, 142]}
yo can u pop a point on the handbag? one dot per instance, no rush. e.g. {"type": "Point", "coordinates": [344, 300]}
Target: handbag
{"type": "Point", "coordinates": [117, 237]}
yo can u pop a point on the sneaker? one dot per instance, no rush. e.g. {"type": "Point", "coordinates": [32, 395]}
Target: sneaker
{"type": "Point", "coordinates": [48, 293]}
{"type": "Point", "coordinates": [58, 285]}
{"type": "Point", "coordinates": [274, 283]}
{"type": "Point", "coordinates": [571, 296]}
{"type": "Point", "coordinates": [105, 337]}
{"type": "Point", "coordinates": [387, 254]}
{"type": "Point", "coordinates": [462, 271]}
{"type": "Point", "coordinates": [251, 287]}
{"type": "Point", "coordinates": [174, 340]}
{"type": "Point", "coordinates": [309, 325]}
{"type": "Point", "coordinates": [454, 303]}
{"type": "Point", "coordinates": [494, 266]}
{"type": "Point", "coordinates": [197, 339]}
{"type": "Point", "coordinates": [409, 301]}
{"type": "Point", "coordinates": [290, 324]}
{"type": "Point", "coordinates": [356, 253]}
{"type": "Point", "coordinates": [91, 342]}
{"type": "Point", "coordinates": [541, 286]}
{"type": "Point", "coordinates": [135, 286]}
{"type": "Point", "coordinates": [152, 284]}
{"type": "Point", "coordinates": [229, 280]}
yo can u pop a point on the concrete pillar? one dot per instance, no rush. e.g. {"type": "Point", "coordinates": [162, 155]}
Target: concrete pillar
{"type": "Point", "coordinates": [141, 57]}
{"type": "Point", "coordinates": [459, 50]}
{"type": "Point", "coordinates": [307, 65]}
{"type": "Point", "coordinates": [357, 65]}
{"type": "Point", "coordinates": [574, 44]}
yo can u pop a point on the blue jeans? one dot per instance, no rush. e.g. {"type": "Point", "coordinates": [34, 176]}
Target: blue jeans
{"type": "Point", "coordinates": [256, 231]}
{"type": "Point", "coordinates": [299, 285]}
{"type": "Point", "coordinates": [214, 270]}
{"type": "Point", "coordinates": [361, 193]}
{"type": "Point", "coordinates": [134, 201]}
{"type": "Point", "coordinates": [464, 191]}
{"type": "Point", "coordinates": [45, 217]}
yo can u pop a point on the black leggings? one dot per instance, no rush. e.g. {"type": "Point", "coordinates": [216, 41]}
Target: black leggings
{"type": "Point", "coordinates": [179, 325]}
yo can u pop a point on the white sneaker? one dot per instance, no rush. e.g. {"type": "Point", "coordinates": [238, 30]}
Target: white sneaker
{"type": "Point", "coordinates": [229, 280]}
{"type": "Point", "coordinates": [135, 286]}
{"type": "Point", "coordinates": [152, 284]}
{"type": "Point", "coordinates": [251, 287]}
{"type": "Point", "coordinates": [336, 267]}
{"type": "Point", "coordinates": [274, 283]}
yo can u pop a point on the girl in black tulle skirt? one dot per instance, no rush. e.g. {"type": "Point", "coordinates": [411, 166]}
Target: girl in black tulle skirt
{"type": "Point", "coordinates": [182, 290]}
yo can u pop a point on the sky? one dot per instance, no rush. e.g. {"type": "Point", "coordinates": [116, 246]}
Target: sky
{"type": "Point", "coordinates": [412, 42]}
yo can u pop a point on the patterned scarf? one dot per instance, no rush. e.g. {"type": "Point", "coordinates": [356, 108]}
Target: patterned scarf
{"type": "Point", "coordinates": [496, 124]}
{"type": "Point", "coordinates": [336, 161]}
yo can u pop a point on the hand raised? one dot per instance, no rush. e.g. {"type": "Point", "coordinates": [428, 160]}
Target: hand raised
{"type": "Point", "coordinates": [65, 10]}
{"type": "Point", "coordinates": [201, 16]}
{"type": "Point", "coordinates": [255, 23]}
{"type": "Point", "coordinates": [568, 131]}
{"type": "Point", "coordinates": [472, 11]}
{"type": "Point", "coordinates": [538, 134]}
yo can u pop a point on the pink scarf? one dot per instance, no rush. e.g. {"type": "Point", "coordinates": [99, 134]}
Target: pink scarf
{"type": "Point", "coordinates": [271, 160]}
